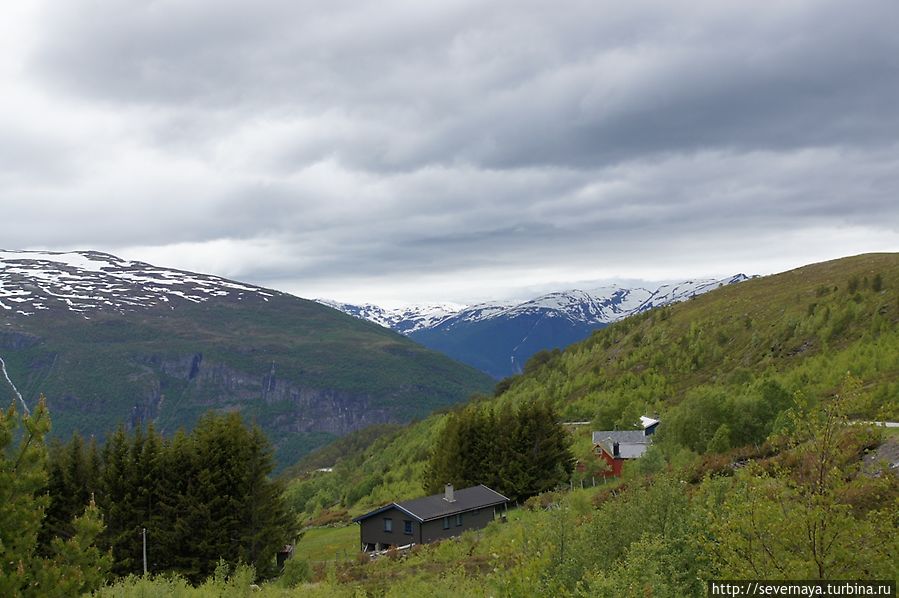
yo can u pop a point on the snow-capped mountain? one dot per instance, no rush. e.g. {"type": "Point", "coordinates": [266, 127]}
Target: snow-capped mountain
{"type": "Point", "coordinates": [405, 320]}
{"type": "Point", "coordinates": [88, 281]}
{"type": "Point", "coordinates": [602, 305]}
{"type": "Point", "coordinates": [498, 337]}
{"type": "Point", "coordinates": [111, 341]}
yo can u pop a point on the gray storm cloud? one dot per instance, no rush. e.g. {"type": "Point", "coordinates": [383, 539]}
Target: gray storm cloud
{"type": "Point", "coordinates": [310, 145]}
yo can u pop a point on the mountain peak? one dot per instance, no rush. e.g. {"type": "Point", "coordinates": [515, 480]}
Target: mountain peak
{"type": "Point", "coordinates": [87, 281]}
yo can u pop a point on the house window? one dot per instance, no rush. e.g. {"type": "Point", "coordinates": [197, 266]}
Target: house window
{"type": "Point", "coordinates": [388, 524]}
{"type": "Point", "coordinates": [458, 519]}
{"type": "Point", "coordinates": [446, 523]}
{"type": "Point", "coordinates": [407, 527]}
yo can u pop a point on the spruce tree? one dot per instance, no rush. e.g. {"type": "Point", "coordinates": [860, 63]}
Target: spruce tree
{"type": "Point", "coordinates": [266, 523]}
{"type": "Point", "coordinates": [516, 452]}
{"type": "Point", "coordinates": [57, 492]}
{"type": "Point", "coordinates": [232, 510]}
{"type": "Point", "coordinates": [549, 452]}
{"type": "Point", "coordinates": [77, 566]}
{"type": "Point", "coordinates": [445, 462]}
{"type": "Point", "coordinates": [115, 502]}
{"type": "Point", "coordinates": [510, 473]}
{"type": "Point", "coordinates": [173, 548]}
{"type": "Point", "coordinates": [23, 475]}
{"type": "Point", "coordinates": [74, 565]}
{"type": "Point", "coordinates": [201, 497]}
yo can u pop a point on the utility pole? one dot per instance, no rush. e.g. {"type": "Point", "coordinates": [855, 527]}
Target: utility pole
{"type": "Point", "coordinates": [144, 532]}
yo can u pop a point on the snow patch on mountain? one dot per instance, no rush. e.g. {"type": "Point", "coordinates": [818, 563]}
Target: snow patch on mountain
{"type": "Point", "coordinates": [87, 281]}
{"type": "Point", "coordinates": [406, 319]}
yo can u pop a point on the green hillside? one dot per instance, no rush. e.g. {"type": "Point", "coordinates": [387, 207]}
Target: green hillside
{"type": "Point", "coordinates": [735, 357]}
{"type": "Point", "coordinates": [304, 372]}
{"type": "Point", "coordinates": [758, 470]}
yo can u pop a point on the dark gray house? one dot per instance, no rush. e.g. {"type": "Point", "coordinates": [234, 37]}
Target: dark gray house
{"type": "Point", "coordinates": [431, 518]}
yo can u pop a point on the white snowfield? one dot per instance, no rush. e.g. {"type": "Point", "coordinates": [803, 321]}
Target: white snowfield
{"type": "Point", "coordinates": [602, 305]}
{"type": "Point", "coordinates": [417, 316]}
{"type": "Point", "coordinates": [87, 281]}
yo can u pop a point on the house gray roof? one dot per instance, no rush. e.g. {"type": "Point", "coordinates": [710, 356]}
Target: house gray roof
{"type": "Point", "coordinates": [629, 451]}
{"type": "Point", "coordinates": [631, 443]}
{"type": "Point", "coordinates": [622, 436]}
{"type": "Point", "coordinates": [435, 506]}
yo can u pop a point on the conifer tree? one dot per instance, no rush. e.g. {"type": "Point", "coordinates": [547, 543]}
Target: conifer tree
{"type": "Point", "coordinates": [266, 523]}
{"type": "Point", "coordinates": [115, 502]}
{"type": "Point", "coordinates": [74, 565]}
{"type": "Point", "coordinates": [518, 452]}
{"type": "Point", "coordinates": [150, 487]}
{"type": "Point", "coordinates": [215, 501]}
{"type": "Point", "coordinates": [445, 462]}
{"type": "Point", "coordinates": [77, 565]}
{"type": "Point", "coordinates": [202, 497]}
{"type": "Point", "coordinates": [171, 540]}
{"type": "Point", "coordinates": [23, 475]}
{"type": "Point", "coordinates": [70, 487]}
{"type": "Point", "coordinates": [231, 510]}
{"type": "Point", "coordinates": [509, 474]}
{"type": "Point", "coordinates": [57, 504]}
{"type": "Point", "coordinates": [543, 448]}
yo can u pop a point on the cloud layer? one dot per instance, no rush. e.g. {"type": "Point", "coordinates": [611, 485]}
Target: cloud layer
{"type": "Point", "coordinates": [451, 151]}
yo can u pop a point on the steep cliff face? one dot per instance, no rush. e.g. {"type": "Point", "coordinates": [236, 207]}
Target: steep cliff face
{"type": "Point", "coordinates": [92, 387]}
{"type": "Point", "coordinates": [209, 384]}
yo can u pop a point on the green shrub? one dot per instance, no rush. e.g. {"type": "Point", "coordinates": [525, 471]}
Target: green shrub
{"type": "Point", "coordinates": [296, 571]}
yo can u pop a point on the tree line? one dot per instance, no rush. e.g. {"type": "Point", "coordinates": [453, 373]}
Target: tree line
{"type": "Point", "coordinates": [202, 497]}
{"type": "Point", "coordinates": [518, 452]}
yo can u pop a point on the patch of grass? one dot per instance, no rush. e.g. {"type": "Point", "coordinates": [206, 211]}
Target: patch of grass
{"type": "Point", "coordinates": [320, 544]}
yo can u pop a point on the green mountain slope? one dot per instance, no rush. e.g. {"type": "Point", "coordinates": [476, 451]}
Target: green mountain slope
{"type": "Point", "coordinates": [306, 373]}
{"type": "Point", "coordinates": [732, 357]}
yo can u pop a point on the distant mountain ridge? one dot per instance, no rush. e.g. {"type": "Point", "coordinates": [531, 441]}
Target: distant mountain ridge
{"type": "Point", "coordinates": [404, 320]}
{"type": "Point", "coordinates": [109, 340]}
{"type": "Point", "coordinates": [90, 281]}
{"type": "Point", "coordinates": [499, 337]}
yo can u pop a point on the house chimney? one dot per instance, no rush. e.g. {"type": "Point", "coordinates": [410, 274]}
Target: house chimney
{"type": "Point", "coordinates": [614, 449]}
{"type": "Point", "coordinates": [448, 493]}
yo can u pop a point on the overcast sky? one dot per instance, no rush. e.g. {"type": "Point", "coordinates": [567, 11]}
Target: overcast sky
{"type": "Point", "coordinates": [414, 151]}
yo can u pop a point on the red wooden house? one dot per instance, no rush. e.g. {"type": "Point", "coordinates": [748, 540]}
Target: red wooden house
{"type": "Point", "coordinates": [618, 446]}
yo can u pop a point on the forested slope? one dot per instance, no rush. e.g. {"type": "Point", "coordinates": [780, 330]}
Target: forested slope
{"type": "Point", "coordinates": [760, 468]}
{"type": "Point", "coordinates": [718, 370]}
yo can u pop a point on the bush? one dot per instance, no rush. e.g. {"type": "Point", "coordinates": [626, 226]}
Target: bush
{"type": "Point", "coordinates": [329, 517]}
{"type": "Point", "coordinates": [223, 582]}
{"type": "Point", "coordinates": [296, 571]}
{"type": "Point", "coordinates": [543, 502]}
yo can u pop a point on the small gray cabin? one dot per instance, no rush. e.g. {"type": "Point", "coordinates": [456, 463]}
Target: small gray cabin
{"type": "Point", "coordinates": [428, 519]}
